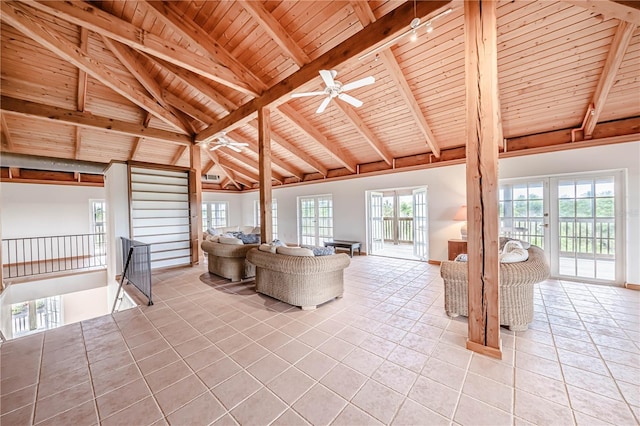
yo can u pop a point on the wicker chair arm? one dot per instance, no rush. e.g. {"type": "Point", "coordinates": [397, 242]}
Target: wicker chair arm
{"type": "Point", "coordinates": [226, 250]}
{"type": "Point", "coordinates": [298, 265]}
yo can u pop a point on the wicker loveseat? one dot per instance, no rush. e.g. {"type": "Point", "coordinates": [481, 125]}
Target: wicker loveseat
{"type": "Point", "coordinates": [516, 288]}
{"type": "Point", "coordinates": [299, 281]}
{"type": "Point", "coordinates": [229, 260]}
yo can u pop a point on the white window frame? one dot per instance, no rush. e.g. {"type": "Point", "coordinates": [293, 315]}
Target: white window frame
{"type": "Point", "coordinates": [274, 216]}
{"type": "Point", "coordinates": [215, 206]}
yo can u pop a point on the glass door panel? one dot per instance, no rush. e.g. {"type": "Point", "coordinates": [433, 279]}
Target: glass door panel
{"type": "Point", "coordinates": [376, 222]}
{"type": "Point", "coordinates": [421, 224]}
{"type": "Point", "coordinates": [522, 211]}
{"type": "Point", "coordinates": [316, 220]}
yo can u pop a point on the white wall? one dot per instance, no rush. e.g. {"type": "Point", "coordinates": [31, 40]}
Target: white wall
{"type": "Point", "coordinates": [446, 193]}
{"type": "Point", "coordinates": [236, 212]}
{"type": "Point", "coordinates": [35, 210]}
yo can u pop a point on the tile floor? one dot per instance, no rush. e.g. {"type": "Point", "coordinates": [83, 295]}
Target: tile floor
{"type": "Point", "coordinates": [210, 352]}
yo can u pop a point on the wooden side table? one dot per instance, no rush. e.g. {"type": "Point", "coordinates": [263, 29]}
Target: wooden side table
{"type": "Point", "coordinates": [457, 247]}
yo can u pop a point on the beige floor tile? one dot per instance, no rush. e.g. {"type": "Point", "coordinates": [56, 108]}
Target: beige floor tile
{"type": "Point", "coordinates": [434, 396]}
{"type": "Point", "coordinates": [274, 340]}
{"type": "Point", "coordinates": [541, 386]}
{"type": "Point", "coordinates": [316, 364]}
{"type": "Point", "coordinates": [167, 376]}
{"type": "Point", "coordinates": [84, 414]}
{"type": "Point", "coordinates": [157, 361]}
{"type": "Point", "coordinates": [290, 385]}
{"type": "Point", "coordinates": [600, 407]}
{"type": "Point", "coordinates": [352, 335]}
{"type": "Point", "coordinates": [180, 393]}
{"type": "Point", "coordinates": [352, 415]}
{"type": "Point", "coordinates": [378, 400]}
{"type": "Point", "coordinates": [107, 365]}
{"type": "Point", "coordinates": [363, 361]}
{"type": "Point", "coordinates": [584, 362]}
{"type": "Point", "coordinates": [17, 399]}
{"type": "Point", "coordinates": [474, 412]}
{"type": "Point", "coordinates": [19, 416]}
{"type": "Point", "coordinates": [260, 408]}
{"type": "Point", "coordinates": [457, 356]}
{"type": "Point", "coordinates": [408, 358]}
{"type": "Point", "coordinates": [538, 365]}
{"type": "Point", "coordinates": [378, 345]}
{"type": "Point", "coordinates": [236, 389]}
{"type": "Point", "coordinates": [488, 391]}
{"type": "Point", "coordinates": [233, 343]}
{"type": "Point", "coordinates": [290, 418]}
{"type": "Point", "coordinates": [395, 377]}
{"type": "Point", "coordinates": [267, 368]}
{"type": "Point", "coordinates": [62, 401]}
{"type": "Point", "coordinates": [117, 378]}
{"type": "Point", "coordinates": [541, 411]}
{"type": "Point", "coordinates": [148, 349]}
{"type": "Point", "coordinates": [587, 380]}
{"type": "Point", "coordinates": [444, 373]}
{"type": "Point", "coordinates": [218, 372]}
{"type": "Point", "coordinates": [293, 351]}
{"type": "Point", "coordinates": [249, 354]}
{"type": "Point", "coordinates": [118, 399]}
{"type": "Point", "coordinates": [145, 412]}
{"type": "Point", "coordinates": [336, 348]}
{"type": "Point", "coordinates": [203, 358]}
{"type": "Point", "coordinates": [319, 414]}
{"type": "Point", "coordinates": [344, 381]}
{"type": "Point", "coordinates": [411, 413]}
{"type": "Point", "coordinates": [142, 338]}
{"type": "Point", "coordinates": [192, 346]}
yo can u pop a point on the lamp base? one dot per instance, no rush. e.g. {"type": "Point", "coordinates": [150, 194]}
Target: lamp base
{"type": "Point", "coordinates": [463, 231]}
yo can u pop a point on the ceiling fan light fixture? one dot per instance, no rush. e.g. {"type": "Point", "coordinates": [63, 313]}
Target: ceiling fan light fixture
{"type": "Point", "coordinates": [429, 27]}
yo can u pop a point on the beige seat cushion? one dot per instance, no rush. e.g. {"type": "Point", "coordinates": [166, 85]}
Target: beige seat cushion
{"type": "Point", "coordinates": [267, 247]}
{"type": "Point", "coordinates": [294, 251]}
{"type": "Point", "coordinates": [230, 240]}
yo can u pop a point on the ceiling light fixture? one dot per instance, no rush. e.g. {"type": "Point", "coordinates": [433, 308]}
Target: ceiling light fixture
{"type": "Point", "coordinates": [413, 29]}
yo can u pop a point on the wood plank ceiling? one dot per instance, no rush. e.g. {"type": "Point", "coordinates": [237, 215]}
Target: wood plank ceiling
{"type": "Point", "coordinates": [143, 80]}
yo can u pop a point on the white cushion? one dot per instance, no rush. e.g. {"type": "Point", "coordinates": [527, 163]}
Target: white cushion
{"type": "Point", "coordinates": [267, 247]}
{"type": "Point", "coordinates": [230, 240]}
{"type": "Point", "coordinates": [213, 238]}
{"type": "Point", "coordinates": [294, 251]}
{"type": "Point", "coordinates": [513, 252]}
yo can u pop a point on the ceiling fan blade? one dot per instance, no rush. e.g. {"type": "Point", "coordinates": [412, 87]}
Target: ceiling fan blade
{"type": "Point", "coordinates": [213, 148]}
{"type": "Point", "coordinates": [323, 105]}
{"type": "Point", "coordinates": [235, 148]}
{"type": "Point", "coordinates": [350, 99]}
{"type": "Point", "coordinates": [359, 83]}
{"type": "Point", "coordinates": [300, 95]}
{"type": "Point", "coordinates": [327, 77]}
{"type": "Point", "coordinates": [240, 144]}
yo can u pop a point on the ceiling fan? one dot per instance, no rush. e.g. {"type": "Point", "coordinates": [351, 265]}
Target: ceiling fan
{"type": "Point", "coordinates": [221, 140]}
{"type": "Point", "coordinates": [335, 89]}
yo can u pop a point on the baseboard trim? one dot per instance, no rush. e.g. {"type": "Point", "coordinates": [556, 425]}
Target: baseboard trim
{"type": "Point", "coordinates": [434, 262]}
{"type": "Point", "coordinates": [631, 286]}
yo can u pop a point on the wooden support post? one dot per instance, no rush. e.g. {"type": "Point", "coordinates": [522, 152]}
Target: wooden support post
{"type": "Point", "coordinates": [483, 134]}
{"type": "Point", "coordinates": [264, 160]}
{"type": "Point", "coordinates": [195, 201]}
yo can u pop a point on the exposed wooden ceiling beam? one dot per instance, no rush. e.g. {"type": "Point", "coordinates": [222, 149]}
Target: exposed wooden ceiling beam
{"type": "Point", "coordinates": [187, 108]}
{"type": "Point", "coordinates": [134, 148]}
{"type": "Point", "coordinates": [372, 36]}
{"type": "Point", "coordinates": [365, 132]}
{"type": "Point", "coordinates": [77, 143]}
{"type": "Point", "coordinates": [171, 16]}
{"type": "Point", "coordinates": [82, 76]}
{"type": "Point", "coordinates": [366, 16]}
{"type": "Point", "coordinates": [207, 168]}
{"type": "Point", "coordinates": [295, 151]}
{"type": "Point", "coordinates": [22, 18]}
{"type": "Point", "coordinates": [628, 11]}
{"type": "Point", "coordinates": [193, 81]}
{"type": "Point", "coordinates": [83, 119]}
{"type": "Point", "coordinates": [228, 173]}
{"type": "Point", "coordinates": [6, 134]}
{"type": "Point", "coordinates": [295, 118]}
{"type": "Point", "coordinates": [251, 163]}
{"type": "Point", "coordinates": [178, 155]}
{"type": "Point", "coordinates": [91, 17]}
{"type": "Point", "coordinates": [619, 46]}
{"type": "Point", "coordinates": [292, 170]}
{"type": "Point", "coordinates": [276, 31]}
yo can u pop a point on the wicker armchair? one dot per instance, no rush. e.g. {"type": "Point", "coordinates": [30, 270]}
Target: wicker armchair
{"type": "Point", "coordinates": [229, 260]}
{"type": "Point", "coordinates": [516, 288]}
{"type": "Point", "coordinates": [299, 281]}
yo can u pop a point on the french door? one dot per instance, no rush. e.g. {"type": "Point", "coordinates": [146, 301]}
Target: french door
{"type": "Point", "coordinates": [576, 219]}
{"type": "Point", "coordinates": [376, 222]}
{"type": "Point", "coordinates": [315, 219]}
{"type": "Point", "coordinates": [420, 224]}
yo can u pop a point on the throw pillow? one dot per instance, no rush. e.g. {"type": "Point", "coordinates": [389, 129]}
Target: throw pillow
{"type": "Point", "coordinates": [214, 231]}
{"type": "Point", "coordinates": [256, 230]}
{"type": "Point", "coordinates": [462, 257]}
{"type": "Point", "coordinates": [321, 251]}
{"type": "Point", "coordinates": [230, 240]}
{"type": "Point", "coordinates": [294, 251]}
{"type": "Point", "coordinates": [278, 243]}
{"type": "Point", "coordinates": [513, 252]}
{"type": "Point", "coordinates": [267, 247]}
{"type": "Point", "coordinates": [249, 238]}
{"type": "Point", "coordinates": [213, 238]}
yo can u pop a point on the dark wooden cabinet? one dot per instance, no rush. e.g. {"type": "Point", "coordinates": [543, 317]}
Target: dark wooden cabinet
{"type": "Point", "coordinates": [456, 247]}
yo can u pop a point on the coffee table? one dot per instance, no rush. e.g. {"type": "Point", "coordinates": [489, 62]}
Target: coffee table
{"type": "Point", "coordinates": [351, 245]}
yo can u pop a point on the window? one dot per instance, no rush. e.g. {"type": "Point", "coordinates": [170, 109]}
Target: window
{"type": "Point", "coordinates": [215, 214]}
{"type": "Point", "coordinates": [274, 216]}
{"type": "Point", "coordinates": [316, 219]}
{"type": "Point", "coordinates": [98, 226]}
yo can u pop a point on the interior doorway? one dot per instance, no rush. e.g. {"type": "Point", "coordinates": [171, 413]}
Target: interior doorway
{"type": "Point", "coordinates": [397, 223]}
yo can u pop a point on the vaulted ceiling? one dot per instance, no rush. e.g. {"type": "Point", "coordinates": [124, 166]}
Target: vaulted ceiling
{"type": "Point", "coordinates": [144, 80]}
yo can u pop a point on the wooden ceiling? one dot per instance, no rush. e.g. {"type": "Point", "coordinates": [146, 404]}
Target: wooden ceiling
{"type": "Point", "coordinates": [143, 80]}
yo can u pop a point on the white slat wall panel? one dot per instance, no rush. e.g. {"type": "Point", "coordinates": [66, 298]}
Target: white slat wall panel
{"type": "Point", "coordinates": [160, 214]}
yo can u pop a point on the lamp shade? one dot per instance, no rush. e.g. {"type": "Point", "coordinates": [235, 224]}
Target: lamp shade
{"type": "Point", "coordinates": [461, 214]}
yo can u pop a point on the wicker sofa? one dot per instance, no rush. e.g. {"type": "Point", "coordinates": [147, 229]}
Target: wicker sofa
{"type": "Point", "coordinates": [229, 260]}
{"type": "Point", "coordinates": [299, 281]}
{"type": "Point", "coordinates": [515, 288]}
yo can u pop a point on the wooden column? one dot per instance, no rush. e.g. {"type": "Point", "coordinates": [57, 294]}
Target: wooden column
{"type": "Point", "coordinates": [264, 160]}
{"type": "Point", "coordinates": [195, 201]}
{"type": "Point", "coordinates": [483, 134]}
